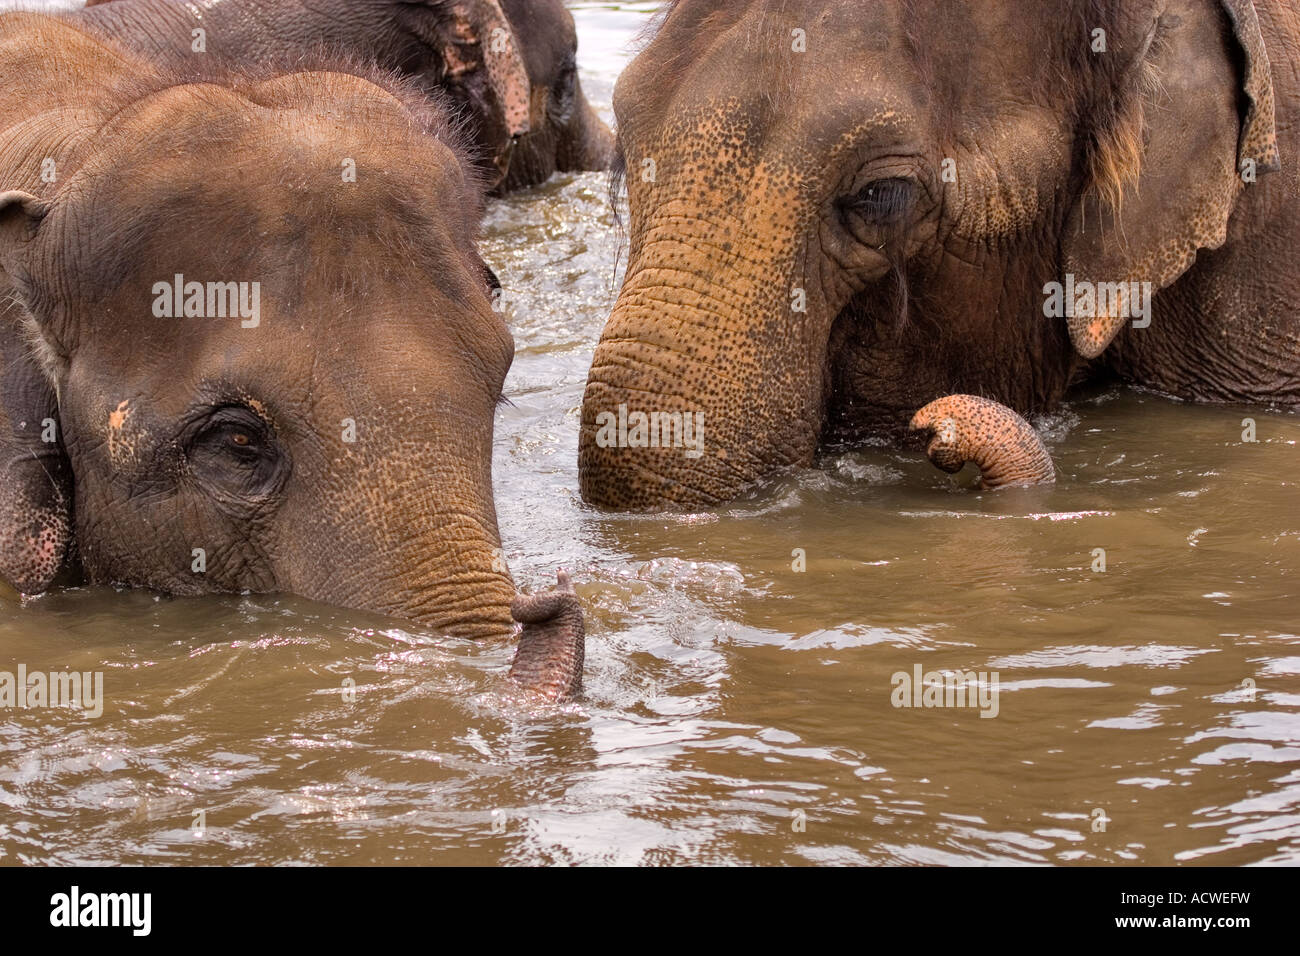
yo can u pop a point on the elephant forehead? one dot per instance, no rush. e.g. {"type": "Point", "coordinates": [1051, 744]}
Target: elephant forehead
{"type": "Point", "coordinates": [790, 110]}
{"type": "Point", "coordinates": [197, 161]}
{"type": "Point", "coordinates": [810, 61]}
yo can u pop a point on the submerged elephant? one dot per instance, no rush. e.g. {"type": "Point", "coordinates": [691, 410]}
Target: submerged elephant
{"type": "Point", "coordinates": [507, 67]}
{"type": "Point", "coordinates": [565, 134]}
{"type": "Point", "coordinates": [227, 367]}
{"type": "Point", "coordinates": [842, 211]}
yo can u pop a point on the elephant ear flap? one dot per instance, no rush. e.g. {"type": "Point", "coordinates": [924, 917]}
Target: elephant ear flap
{"type": "Point", "coordinates": [1257, 151]}
{"type": "Point", "coordinates": [35, 477]}
{"type": "Point", "coordinates": [20, 215]}
{"type": "Point", "coordinates": [476, 34]}
{"type": "Point", "coordinates": [1189, 125]}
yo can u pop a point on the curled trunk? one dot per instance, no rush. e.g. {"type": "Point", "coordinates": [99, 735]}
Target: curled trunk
{"type": "Point", "coordinates": [967, 428]}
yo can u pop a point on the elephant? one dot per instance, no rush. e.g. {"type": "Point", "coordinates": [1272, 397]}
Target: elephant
{"type": "Point", "coordinates": [507, 67]}
{"type": "Point", "coordinates": [565, 133]}
{"type": "Point", "coordinates": [230, 366]}
{"type": "Point", "coordinates": [843, 211]}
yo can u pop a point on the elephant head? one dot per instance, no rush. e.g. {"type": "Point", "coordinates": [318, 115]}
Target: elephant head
{"type": "Point", "coordinates": [841, 211]}
{"type": "Point", "coordinates": [565, 134]}
{"type": "Point", "coordinates": [471, 52]}
{"type": "Point", "coordinates": [252, 321]}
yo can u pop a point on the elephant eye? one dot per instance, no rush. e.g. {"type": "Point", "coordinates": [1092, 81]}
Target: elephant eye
{"type": "Point", "coordinates": [234, 451]}
{"type": "Point", "coordinates": [244, 443]}
{"type": "Point", "coordinates": [884, 202]}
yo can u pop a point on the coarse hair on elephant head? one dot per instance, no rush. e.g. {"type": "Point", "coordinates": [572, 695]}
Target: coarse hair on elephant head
{"type": "Point", "coordinates": [254, 311]}
{"type": "Point", "coordinates": [841, 211]}
{"type": "Point", "coordinates": [463, 51]}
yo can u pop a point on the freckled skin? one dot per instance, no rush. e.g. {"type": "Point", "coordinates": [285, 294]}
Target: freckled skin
{"type": "Point", "coordinates": [966, 428]}
{"type": "Point", "coordinates": [552, 643]}
{"type": "Point", "coordinates": [35, 480]}
{"type": "Point", "coordinates": [1025, 156]}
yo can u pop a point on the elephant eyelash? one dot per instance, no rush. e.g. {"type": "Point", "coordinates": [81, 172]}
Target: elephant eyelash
{"type": "Point", "coordinates": [503, 402]}
{"type": "Point", "coordinates": [885, 202]}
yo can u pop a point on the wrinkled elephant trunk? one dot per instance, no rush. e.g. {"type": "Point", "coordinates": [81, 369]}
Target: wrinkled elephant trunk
{"type": "Point", "coordinates": [410, 531]}
{"type": "Point", "coordinates": [967, 428]}
{"type": "Point", "coordinates": [552, 644]}
{"type": "Point", "coordinates": [449, 578]}
{"type": "Point", "coordinates": [704, 380]}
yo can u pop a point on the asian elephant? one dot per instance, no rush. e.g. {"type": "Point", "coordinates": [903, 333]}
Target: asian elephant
{"type": "Point", "coordinates": [506, 68]}
{"type": "Point", "coordinates": [565, 134]}
{"type": "Point", "coordinates": [842, 211]}
{"type": "Point", "coordinates": [248, 344]}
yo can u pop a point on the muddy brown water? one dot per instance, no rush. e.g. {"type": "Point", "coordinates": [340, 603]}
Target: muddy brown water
{"type": "Point", "coordinates": [737, 710]}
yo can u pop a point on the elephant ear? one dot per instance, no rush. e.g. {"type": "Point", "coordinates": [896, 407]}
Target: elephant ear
{"type": "Point", "coordinates": [475, 35]}
{"type": "Point", "coordinates": [1193, 126]}
{"type": "Point", "coordinates": [35, 476]}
